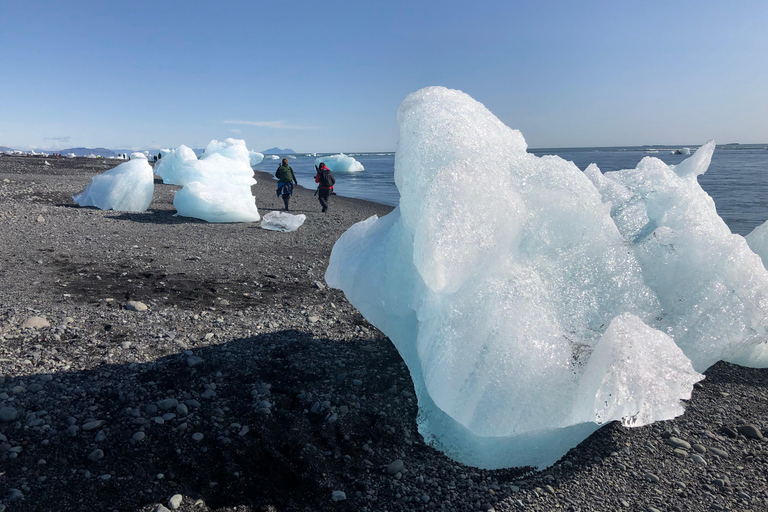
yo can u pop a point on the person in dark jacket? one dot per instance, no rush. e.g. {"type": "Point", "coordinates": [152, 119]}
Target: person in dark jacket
{"type": "Point", "coordinates": [325, 180]}
{"type": "Point", "coordinates": [285, 182]}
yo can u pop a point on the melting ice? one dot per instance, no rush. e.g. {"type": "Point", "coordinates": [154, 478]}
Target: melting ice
{"type": "Point", "coordinates": [533, 302]}
{"type": "Point", "coordinates": [282, 221]}
{"type": "Point", "coordinates": [216, 187]}
{"type": "Point", "coordinates": [340, 163]}
{"type": "Point", "coordinates": [127, 188]}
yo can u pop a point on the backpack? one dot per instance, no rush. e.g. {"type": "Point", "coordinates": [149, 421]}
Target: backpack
{"type": "Point", "coordinates": [326, 178]}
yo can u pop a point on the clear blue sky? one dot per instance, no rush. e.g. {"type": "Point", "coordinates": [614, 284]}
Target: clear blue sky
{"type": "Point", "coordinates": [329, 76]}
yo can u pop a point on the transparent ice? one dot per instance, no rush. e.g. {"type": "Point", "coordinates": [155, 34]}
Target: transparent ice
{"type": "Point", "coordinates": [282, 221]}
{"type": "Point", "coordinates": [127, 188]}
{"type": "Point", "coordinates": [533, 302]}
{"type": "Point", "coordinates": [340, 163]}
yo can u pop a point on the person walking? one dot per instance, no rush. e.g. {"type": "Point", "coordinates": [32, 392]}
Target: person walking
{"type": "Point", "coordinates": [285, 182]}
{"type": "Point", "coordinates": [325, 180]}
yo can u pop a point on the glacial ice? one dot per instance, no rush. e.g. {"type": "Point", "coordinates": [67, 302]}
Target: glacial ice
{"type": "Point", "coordinates": [174, 163]}
{"type": "Point", "coordinates": [256, 158]}
{"type": "Point", "coordinates": [533, 302]}
{"type": "Point", "coordinates": [217, 187]}
{"type": "Point", "coordinates": [126, 188]}
{"type": "Point", "coordinates": [282, 221]}
{"type": "Point", "coordinates": [340, 163]}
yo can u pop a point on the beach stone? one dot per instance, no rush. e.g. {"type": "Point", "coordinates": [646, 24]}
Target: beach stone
{"type": "Point", "coordinates": [193, 361]}
{"type": "Point", "coordinates": [182, 410]}
{"type": "Point", "coordinates": [8, 414]}
{"type": "Point", "coordinates": [681, 453]}
{"type": "Point", "coordinates": [338, 496]}
{"type": "Point", "coordinates": [699, 448]}
{"type": "Point", "coordinates": [651, 477]}
{"type": "Point", "coordinates": [135, 305]}
{"type": "Point", "coordinates": [93, 425]}
{"type": "Point", "coordinates": [750, 431]}
{"type": "Point", "coordinates": [718, 452]}
{"type": "Point", "coordinates": [40, 218]}
{"type": "Point", "coordinates": [161, 508]}
{"type": "Point", "coordinates": [96, 454]}
{"type": "Point", "coordinates": [197, 436]}
{"type": "Point", "coordinates": [167, 404]}
{"type": "Point", "coordinates": [677, 443]}
{"type": "Point", "coordinates": [175, 501]}
{"type": "Point", "coordinates": [35, 322]}
{"type": "Point", "coordinates": [139, 436]}
{"type": "Point", "coordinates": [395, 467]}
{"type": "Point", "coordinates": [698, 459]}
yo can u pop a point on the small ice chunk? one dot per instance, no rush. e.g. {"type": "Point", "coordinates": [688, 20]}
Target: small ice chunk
{"type": "Point", "coordinates": [282, 221]}
{"type": "Point", "coordinates": [127, 188]}
{"type": "Point", "coordinates": [340, 163]}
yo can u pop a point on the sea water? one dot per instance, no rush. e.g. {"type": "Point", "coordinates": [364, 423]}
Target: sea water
{"type": "Point", "coordinates": [737, 178]}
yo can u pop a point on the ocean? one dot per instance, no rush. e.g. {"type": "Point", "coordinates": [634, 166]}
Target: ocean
{"type": "Point", "coordinates": [737, 178]}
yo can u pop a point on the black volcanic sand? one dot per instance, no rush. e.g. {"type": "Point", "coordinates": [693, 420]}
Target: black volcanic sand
{"type": "Point", "coordinates": [248, 385]}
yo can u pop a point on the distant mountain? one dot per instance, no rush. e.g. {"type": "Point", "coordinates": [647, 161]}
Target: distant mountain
{"type": "Point", "coordinates": [86, 151]}
{"type": "Point", "coordinates": [278, 151]}
{"type": "Point", "coordinates": [6, 148]}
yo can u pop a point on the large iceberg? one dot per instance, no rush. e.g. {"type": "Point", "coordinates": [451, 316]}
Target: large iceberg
{"type": "Point", "coordinates": [129, 187]}
{"type": "Point", "coordinates": [217, 187]}
{"type": "Point", "coordinates": [528, 298]}
{"type": "Point", "coordinates": [340, 163]}
{"type": "Point", "coordinates": [173, 164]}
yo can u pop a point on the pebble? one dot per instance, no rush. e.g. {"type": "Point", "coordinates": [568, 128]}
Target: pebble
{"type": "Point", "coordinates": [93, 425]}
{"type": "Point", "coordinates": [197, 436]}
{"type": "Point", "coordinates": [135, 305]}
{"type": "Point", "coordinates": [698, 459]}
{"type": "Point", "coordinates": [338, 496]}
{"type": "Point", "coordinates": [161, 508]}
{"type": "Point", "coordinates": [718, 452]}
{"type": "Point", "coordinates": [651, 477]}
{"type": "Point", "coordinates": [175, 501]}
{"type": "Point", "coordinates": [182, 410]}
{"type": "Point", "coordinates": [35, 322]}
{"type": "Point", "coordinates": [677, 443]}
{"type": "Point", "coordinates": [167, 404]}
{"type": "Point", "coordinates": [8, 414]}
{"type": "Point", "coordinates": [395, 467]}
{"type": "Point", "coordinates": [96, 454]}
{"type": "Point", "coordinates": [139, 436]}
{"type": "Point", "coordinates": [750, 431]}
{"type": "Point", "coordinates": [193, 361]}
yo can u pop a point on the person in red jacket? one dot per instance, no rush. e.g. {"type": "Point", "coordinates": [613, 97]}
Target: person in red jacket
{"type": "Point", "coordinates": [325, 180]}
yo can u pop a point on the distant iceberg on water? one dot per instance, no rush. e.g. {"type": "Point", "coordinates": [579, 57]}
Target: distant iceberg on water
{"type": "Point", "coordinates": [340, 163]}
{"type": "Point", "coordinates": [561, 301]}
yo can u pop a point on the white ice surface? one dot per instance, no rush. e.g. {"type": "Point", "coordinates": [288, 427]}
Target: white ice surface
{"type": "Point", "coordinates": [217, 187]}
{"type": "Point", "coordinates": [282, 221]}
{"type": "Point", "coordinates": [256, 158]}
{"type": "Point", "coordinates": [127, 188]}
{"type": "Point", "coordinates": [340, 163]}
{"type": "Point", "coordinates": [173, 164]}
{"type": "Point", "coordinates": [535, 308]}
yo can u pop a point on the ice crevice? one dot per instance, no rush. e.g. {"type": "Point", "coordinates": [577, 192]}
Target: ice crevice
{"type": "Point", "coordinates": [533, 302]}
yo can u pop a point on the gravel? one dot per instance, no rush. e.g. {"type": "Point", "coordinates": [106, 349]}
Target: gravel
{"type": "Point", "coordinates": [249, 385]}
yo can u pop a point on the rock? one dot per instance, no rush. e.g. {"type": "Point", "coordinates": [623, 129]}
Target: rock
{"type": "Point", "coordinates": [96, 454]}
{"type": "Point", "coordinates": [40, 219]}
{"type": "Point", "coordinates": [750, 431]}
{"type": "Point", "coordinates": [139, 436]}
{"type": "Point", "coordinates": [677, 443]}
{"type": "Point", "coordinates": [193, 361]}
{"type": "Point", "coordinates": [698, 448]}
{"type": "Point", "coordinates": [698, 459]}
{"type": "Point", "coordinates": [338, 496]}
{"type": "Point", "coordinates": [93, 425]}
{"type": "Point", "coordinates": [718, 452]}
{"type": "Point", "coordinates": [8, 414]}
{"type": "Point", "coordinates": [35, 322]}
{"type": "Point", "coordinates": [319, 285]}
{"type": "Point", "coordinates": [161, 508]}
{"type": "Point", "coordinates": [182, 410]}
{"type": "Point", "coordinates": [651, 478]}
{"type": "Point", "coordinates": [134, 305]}
{"type": "Point", "coordinates": [395, 467]}
{"type": "Point", "coordinates": [175, 501]}
{"type": "Point", "coordinates": [197, 436]}
{"type": "Point", "coordinates": [167, 404]}
{"type": "Point", "coordinates": [314, 319]}
{"type": "Point", "coordinates": [729, 432]}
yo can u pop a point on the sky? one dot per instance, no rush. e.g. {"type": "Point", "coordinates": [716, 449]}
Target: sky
{"type": "Point", "coordinates": [329, 76]}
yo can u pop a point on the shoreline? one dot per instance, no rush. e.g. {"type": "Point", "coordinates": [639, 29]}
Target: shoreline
{"type": "Point", "coordinates": [250, 386]}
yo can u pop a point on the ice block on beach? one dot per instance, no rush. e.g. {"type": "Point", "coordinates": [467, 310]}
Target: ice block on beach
{"type": "Point", "coordinates": [129, 187]}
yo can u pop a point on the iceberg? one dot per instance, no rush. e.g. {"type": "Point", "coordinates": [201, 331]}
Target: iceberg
{"type": "Point", "coordinates": [340, 163]}
{"type": "Point", "coordinates": [129, 187]}
{"type": "Point", "coordinates": [217, 187]}
{"type": "Point", "coordinates": [174, 163]}
{"type": "Point", "coordinates": [531, 314]}
{"type": "Point", "coordinates": [282, 221]}
{"type": "Point", "coordinates": [256, 158]}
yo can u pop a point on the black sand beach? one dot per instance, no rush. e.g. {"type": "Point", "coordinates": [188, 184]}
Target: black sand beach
{"type": "Point", "coordinates": [248, 385]}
